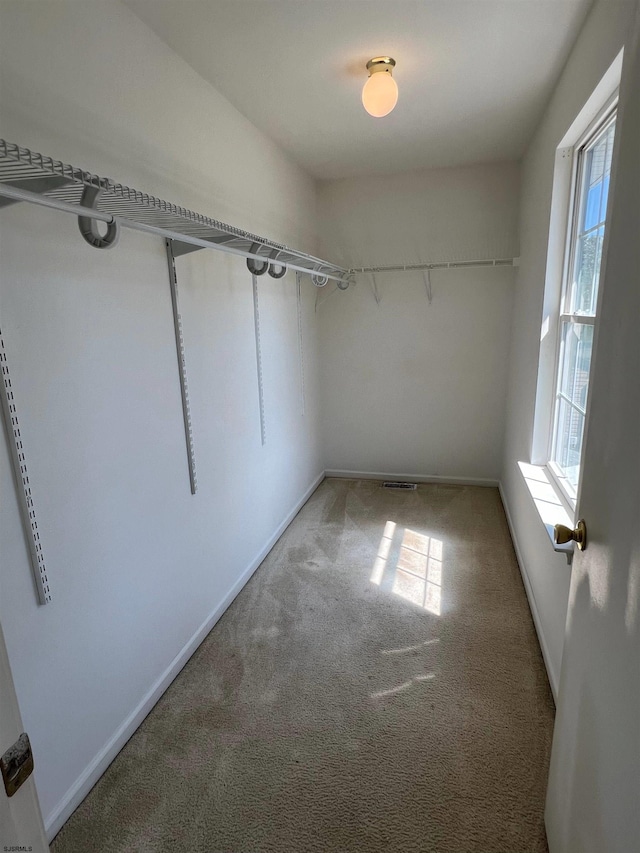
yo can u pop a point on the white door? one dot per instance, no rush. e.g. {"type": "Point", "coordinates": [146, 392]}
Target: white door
{"type": "Point", "coordinates": [593, 798]}
{"type": "Point", "coordinates": [20, 820]}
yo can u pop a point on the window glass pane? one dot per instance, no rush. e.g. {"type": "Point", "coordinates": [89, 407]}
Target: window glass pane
{"type": "Point", "coordinates": [604, 150]}
{"type": "Point", "coordinates": [588, 254]}
{"type": "Point", "coordinates": [605, 188]}
{"type": "Point", "coordinates": [592, 212]}
{"type": "Point", "coordinates": [569, 432]}
{"type": "Point", "coordinates": [577, 342]}
{"type": "Point", "coordinates": [589, 234]}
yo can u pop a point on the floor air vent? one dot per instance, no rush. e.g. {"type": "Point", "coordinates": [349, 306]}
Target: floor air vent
{"type": "Point", "coordinates": [390, 484]}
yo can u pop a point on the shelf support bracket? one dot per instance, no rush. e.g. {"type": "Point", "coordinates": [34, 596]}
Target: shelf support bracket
{"type": "Point", "coordinates": [182, 370]}
{"type": "Point", "coordinates": [44, 184]}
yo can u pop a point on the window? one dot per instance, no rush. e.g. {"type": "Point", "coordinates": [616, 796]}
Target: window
{"type": "Point", "coordinates": [577, 314]}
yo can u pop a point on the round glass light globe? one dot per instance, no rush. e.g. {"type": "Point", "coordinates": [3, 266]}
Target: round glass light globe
{"type": "Point", "coordinates": [380, 94]}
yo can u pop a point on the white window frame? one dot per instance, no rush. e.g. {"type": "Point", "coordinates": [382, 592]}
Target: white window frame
{"type": "Point", "coordinates": [598, 106]}
{"type": "Point", "coordinates": [597, 127]}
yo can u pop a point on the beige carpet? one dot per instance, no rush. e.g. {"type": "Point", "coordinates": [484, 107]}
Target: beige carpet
{"type": "Point", "coordinates": [377, 686]}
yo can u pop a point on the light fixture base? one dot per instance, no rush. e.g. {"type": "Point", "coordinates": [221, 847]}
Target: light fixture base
{"type": "Point", "coordinates": [380, 63]}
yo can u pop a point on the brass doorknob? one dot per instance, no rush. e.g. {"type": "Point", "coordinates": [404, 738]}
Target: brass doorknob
{"type": "Point", "coordinates": [562, 534]}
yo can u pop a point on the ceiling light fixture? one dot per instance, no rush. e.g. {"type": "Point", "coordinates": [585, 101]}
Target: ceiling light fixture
{"type": "Point", "coordinates": [380, 92]}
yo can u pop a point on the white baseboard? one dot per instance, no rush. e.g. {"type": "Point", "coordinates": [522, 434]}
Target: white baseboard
{"type": "Point", "coordinates": [411, 478]}
{"type": "Point", "coordinates": [551, 673]}
{"type": "Point", "coordinates": [85, 782]}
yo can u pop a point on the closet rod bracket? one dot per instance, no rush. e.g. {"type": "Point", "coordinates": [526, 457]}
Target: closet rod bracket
{"type": "Point", "coordinates": [252, 266]}
{"type": "Point", "coordinates": [89, 227]}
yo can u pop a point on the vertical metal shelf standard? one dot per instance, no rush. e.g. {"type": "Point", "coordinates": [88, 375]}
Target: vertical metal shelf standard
{"type": "Point", "coordinates": [300, 340]}
{"type": "Point", "coordinates": [182, 367]}
{"type": "Point", "coordinates": [25, 497]}
{"type": "Point", "coordinates": [256, 326]}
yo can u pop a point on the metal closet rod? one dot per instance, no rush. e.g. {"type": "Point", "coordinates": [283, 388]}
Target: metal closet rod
{"type": "Point", "coordinates": [18, 194]}
{"type": "Point", "coordinates": [445, 265]}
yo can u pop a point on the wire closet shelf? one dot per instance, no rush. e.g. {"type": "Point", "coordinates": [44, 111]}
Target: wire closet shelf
{"type": "Point", "coordinates": [444, 265]}
{"type": "Point", "coordinates": [28, 176]}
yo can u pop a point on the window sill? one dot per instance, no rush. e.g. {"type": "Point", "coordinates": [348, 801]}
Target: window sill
{"type": "Point", "coordinates": [549, 502]}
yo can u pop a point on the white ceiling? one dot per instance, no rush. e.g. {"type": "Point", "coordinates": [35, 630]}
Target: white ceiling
{"type": "Point", "coordinates": [473, 75]}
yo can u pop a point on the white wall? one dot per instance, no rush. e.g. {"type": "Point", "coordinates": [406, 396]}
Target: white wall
{"type": "Point", "coordinates": [136, 563]}
{"type": "Point", "coordinates": [408, 387]}
{"type": "Point", "coordinates": [547, 573]}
